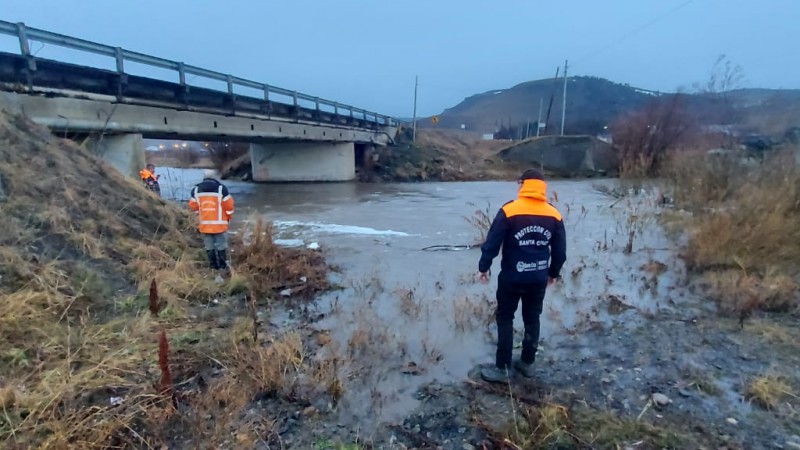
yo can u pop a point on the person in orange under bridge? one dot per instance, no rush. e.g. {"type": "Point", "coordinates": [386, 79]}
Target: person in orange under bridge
{"type": "Point", "coordinates": [150, 179]}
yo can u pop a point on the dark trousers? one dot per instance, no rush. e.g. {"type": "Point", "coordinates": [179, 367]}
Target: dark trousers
{"type": "Point", "coordinates": [508, 297]}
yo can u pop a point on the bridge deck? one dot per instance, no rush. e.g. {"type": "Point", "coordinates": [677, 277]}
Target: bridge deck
{"type": "Point", "coordinates": [50, 77]}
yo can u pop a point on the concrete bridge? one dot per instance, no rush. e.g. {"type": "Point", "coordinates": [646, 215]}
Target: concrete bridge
{"type": "Point", "coordinates": [292, 136]}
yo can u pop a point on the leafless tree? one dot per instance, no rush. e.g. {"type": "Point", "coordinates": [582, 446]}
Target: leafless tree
{"type": "Point", "coordinates": [725, 77]}
{"type": "Point", "coordinates": [644, 137]}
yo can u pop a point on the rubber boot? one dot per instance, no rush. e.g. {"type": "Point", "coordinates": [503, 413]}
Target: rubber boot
{"type": "Point", "coordinates": [222, 260]}
{"type": "Point", "coordinates": [212, 259]}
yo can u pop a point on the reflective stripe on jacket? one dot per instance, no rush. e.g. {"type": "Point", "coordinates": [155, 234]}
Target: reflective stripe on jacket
{"type": "Point", "coordinates": [214, 206]}
{"type": "Point", "coordinates": [532, 236]}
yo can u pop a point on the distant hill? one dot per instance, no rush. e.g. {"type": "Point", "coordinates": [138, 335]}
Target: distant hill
{"type": "Point", "coordinates": [593, 103]}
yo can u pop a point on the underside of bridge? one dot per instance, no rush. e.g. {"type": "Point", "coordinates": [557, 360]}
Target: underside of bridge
{"type": "Point", "coordinates": [281, 150]}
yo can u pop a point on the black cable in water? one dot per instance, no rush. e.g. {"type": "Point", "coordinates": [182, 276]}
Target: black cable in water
{"type": "Point", "coordinates": [435, 248]}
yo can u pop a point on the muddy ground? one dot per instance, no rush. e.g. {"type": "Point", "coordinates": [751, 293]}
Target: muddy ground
{"type": "Point", "coordinates": [702, 364]}
{"type": "Point", "coordinates": [602, 376]}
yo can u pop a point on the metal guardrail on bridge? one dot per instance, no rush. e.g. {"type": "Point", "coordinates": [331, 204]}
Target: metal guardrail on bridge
{"type": "Point", "coordinates": [26, 34]}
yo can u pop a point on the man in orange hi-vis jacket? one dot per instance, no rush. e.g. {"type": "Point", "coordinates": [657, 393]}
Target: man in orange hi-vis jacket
{"type": "Point", "coordinates": [150, 179]}
{"type": "Point", "coordinates": [214, 206]}
{"type": "Point", "coordinates": [531, 233]}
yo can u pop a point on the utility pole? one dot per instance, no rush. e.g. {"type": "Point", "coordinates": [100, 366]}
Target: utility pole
{"type": "Point", "coordinates": [552, 94]}
{"type": "Point", "coordinates": [539, 120]}
{"type": "Point", "coordinates": [416, 82]}
{"type": "Point", "coordinates": [564, 100]}
{"type": "Point", "coordinates": [528, 130]}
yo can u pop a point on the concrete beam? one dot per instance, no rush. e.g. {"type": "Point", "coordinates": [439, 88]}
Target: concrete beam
{"type": "Point", "coordinates": [125, 152]}
{"type": "Point", "coordinates": [91, 114]}
{"type": "Point", "coordinates": [303, 161]}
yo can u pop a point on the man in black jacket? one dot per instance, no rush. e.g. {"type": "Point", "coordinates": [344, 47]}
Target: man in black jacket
{"type": "Point", "coordinates": [532, 236]}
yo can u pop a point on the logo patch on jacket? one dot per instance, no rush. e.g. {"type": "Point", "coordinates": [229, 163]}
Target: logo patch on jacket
{"type": "Point", "coordinates": [523, 266]}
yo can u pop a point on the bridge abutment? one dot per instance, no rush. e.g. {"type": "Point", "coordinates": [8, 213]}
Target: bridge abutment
{"type": "Point", "coordinates": [125, 152]}
{"type": "Point", "coordinates": [303, 161]}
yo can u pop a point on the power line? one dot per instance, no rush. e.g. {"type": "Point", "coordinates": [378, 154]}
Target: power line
{"type": "Point", "coordinates": [635, 31]}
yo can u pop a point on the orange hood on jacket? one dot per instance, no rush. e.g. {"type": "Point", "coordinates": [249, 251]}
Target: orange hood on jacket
{"type": "Point", "coordinates": [535, 189]}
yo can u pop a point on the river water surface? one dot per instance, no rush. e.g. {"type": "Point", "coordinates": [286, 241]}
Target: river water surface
{"type": "Point", "coordinates": [405, 316]}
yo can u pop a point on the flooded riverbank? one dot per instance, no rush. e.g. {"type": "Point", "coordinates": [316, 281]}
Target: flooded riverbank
{"type": "Point", "coordinates": [404, 320]}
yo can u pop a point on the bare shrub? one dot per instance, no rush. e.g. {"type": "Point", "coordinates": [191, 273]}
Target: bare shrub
{"type": "Point", "coordinates": [480, 220]}
{"type": "Point", "coordinates": [644, 137]}
{"type": "Point", "coordinates": [724, 78]}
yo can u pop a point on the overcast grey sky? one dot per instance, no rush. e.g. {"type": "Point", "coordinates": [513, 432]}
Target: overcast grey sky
{"type": "Point", "coordinates": [367, 52]}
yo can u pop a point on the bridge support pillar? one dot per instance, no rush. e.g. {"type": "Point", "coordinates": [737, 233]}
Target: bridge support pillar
{"type": "Point", "coordinates": [303, 161]}
{"type": "Point", "coordinates": [125, 152]}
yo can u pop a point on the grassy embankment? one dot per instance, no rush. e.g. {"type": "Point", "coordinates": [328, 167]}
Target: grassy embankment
{"type": "Point", "coordinates": [741, 223]}
{"type": "Point", "coordinates": [109, 330]}
{"type": "Point", "coordinates": [439, 155]}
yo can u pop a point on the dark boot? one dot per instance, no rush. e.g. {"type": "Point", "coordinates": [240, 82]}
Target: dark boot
{"type": "Point", "coordinates": [222, 260]}
{"type": "Point", "coordinates": [212, 259]}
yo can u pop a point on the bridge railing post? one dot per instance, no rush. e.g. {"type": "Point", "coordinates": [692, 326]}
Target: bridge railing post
{"type": "Point", "coordinates": [266, 92]}
{"type": "Point", "coordinates": [24, 46]}
{"type": "Point", "coordinates": [120, 60]}
{"type": "Point", "coordinates": [122, 77]}
{"type": "Point", "coordinates": [184, 91]}
{"type": "Point", "coordinates": [229, 81]}
{"type": "Point", "coordinates": [181, 74]}
{"type": "Point", "coordinates": [296, 109]}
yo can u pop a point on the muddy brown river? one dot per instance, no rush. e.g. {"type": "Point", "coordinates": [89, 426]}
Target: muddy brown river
{"type": "Point", "coordinates": [404, 316]}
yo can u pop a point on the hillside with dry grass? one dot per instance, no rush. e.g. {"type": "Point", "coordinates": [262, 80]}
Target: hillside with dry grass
{"type": "Point", "coordinates": [593, 103]}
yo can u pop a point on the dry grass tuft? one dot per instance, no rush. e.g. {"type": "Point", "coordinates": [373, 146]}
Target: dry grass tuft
{"type": "Point", "coordinates": [554, 426]}
{"type": "Point", "coordinates": [270, 368]}
{"type": "Point", "coordinates": [768, 391]}
{"type": "Point", "coordinates": [270, 268]}
{"type": "Point", "coordinates": [773, 332]}
{"type": "Point", "coordinates": [469, 312]}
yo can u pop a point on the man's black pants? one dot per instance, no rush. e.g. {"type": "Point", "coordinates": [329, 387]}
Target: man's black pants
{"type": "Point", "coordinates": [508, 297]}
